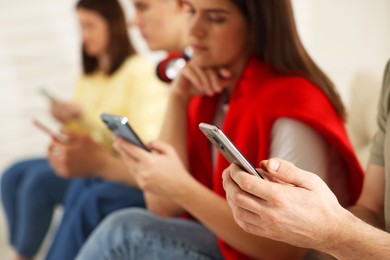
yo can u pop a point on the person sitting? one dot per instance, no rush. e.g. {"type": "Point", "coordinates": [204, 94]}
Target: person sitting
{"type": "Point", "coordinates": [298, 208]}
{"type": "Point", "coordinates": [250, 75]}
{"type": "Point", "coordinates": [114, 80]}
{"type": "Point", "coordinates": [161, 31]}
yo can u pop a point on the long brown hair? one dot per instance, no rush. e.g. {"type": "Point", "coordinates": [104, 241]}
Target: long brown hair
{"type": "Point", "coordinates": [120, 46]}
{"type": "Point", "coordinates": [275, 40]}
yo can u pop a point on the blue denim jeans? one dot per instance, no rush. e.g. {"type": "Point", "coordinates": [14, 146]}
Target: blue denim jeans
{"type": "Point", "coordinates": [140, 235]}
{"type": "Point", "coordinates": [87, 202]}
{"type": "Point", "coordinates": [30, 190]}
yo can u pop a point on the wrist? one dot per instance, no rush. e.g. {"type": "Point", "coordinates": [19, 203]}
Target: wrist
{"type": "Point", "coordinates": [341, 235]}
{"type": "Point", "coordinates": [180, 96]}
{"type": "Point", "coordinates": [103, 160]}
{"type": "Point", "coordinates": [183, 189]}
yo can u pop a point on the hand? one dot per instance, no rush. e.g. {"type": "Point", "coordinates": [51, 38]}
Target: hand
{"type": "Point", "coordinates": [298, 208]}
{"type": "Point", "coordinates": [160, 172]}
{"type": "Point", "coordinates": [79, 156]}
{"type": "Point", "coordinates": [194, 80]}
{"type": "Point", "coordinates": [65, 111]}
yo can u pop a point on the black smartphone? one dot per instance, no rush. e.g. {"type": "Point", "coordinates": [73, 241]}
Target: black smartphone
{"type": "Point", "coordinates": [227, 148]}
{"type": "Point", "coordinates": [119, 126]}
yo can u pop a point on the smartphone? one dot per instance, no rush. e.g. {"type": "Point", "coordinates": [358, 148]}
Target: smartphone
{"type": "Point", "coordinates": [56, 136]}
{"type": "Point", "coordinates": [227, 148]}
{"type": "Point", "coordinates": [46, 93]}
{"type": "Point", "coordinates": [119, 126]}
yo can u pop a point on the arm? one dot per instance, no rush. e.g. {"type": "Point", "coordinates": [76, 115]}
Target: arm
{"type": "Point", "coordinates": [174, 132]}
{"type": "Point", "coordinates": [213, 211]}
{"type": "Point", "coordinates": [81, 156]}
{"type": "Point", "coordinates": [65, 111]}
{"type": "Point", "coordinates": [370, 205]}
{"type": "Point", "coordinates": [359, 240]}
{"type": "Point", "coordinates": [163, 174]}
{"type": "Point", "coordinates": [190, 82]}
{"type": "Point", "coordinates": [305, 213]}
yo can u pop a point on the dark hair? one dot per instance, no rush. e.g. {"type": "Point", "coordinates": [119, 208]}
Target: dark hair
{"type": "Point", "coordinates": [275, 40]}
{"type": "Point", "coordinates": [120, 46]}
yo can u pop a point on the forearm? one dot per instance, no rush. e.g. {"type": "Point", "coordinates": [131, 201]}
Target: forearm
{"type": "Point", "coordinates": [114, 169]}
{"type": "Point", "coordinates": [161, 206]}
{"type": "Point", "coordinates": [174, 129]}
{"type": "Point", "coordinates": [214, 212]}
{"type": "Point", "coordinates": [367, 216]}
{"type": "Point", "coordinates": [359, 240]}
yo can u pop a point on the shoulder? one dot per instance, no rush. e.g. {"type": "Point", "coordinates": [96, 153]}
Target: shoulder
{"type": "Point", "coordinates": [263, 81]}
{"type": "Point", "coordinates": [136, 64]}
{"type": "Point", "coordinates": [386, 85]}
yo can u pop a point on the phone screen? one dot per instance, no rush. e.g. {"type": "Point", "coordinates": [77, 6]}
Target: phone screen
{"type": "Point", "coordinates": [227, 148]}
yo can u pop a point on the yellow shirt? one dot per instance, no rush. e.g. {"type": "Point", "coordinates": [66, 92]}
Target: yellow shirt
{"type": "Point", "coordinates": [132, 91]}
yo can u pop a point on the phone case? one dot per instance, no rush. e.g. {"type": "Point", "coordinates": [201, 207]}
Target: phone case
{"type": "Point", "coordinates": [227, 148]}
{"type": "Point", "coordinates": [119, 126]}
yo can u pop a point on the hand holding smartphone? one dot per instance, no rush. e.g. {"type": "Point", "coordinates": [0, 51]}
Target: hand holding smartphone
{"type": "Point", "coordinates": [119, 126]}
{"type": "Point", "coordinates": [56, 136]}
{"type": "Point", "coordinates": [227, 148]}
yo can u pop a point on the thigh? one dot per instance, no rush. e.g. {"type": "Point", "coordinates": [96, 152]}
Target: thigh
{"type": "Point", "coordinates": [103, 196]}
{"type": "Point", "coordinates": [14, 175]}
{"type": "Point", "coordinates": [138, 234]}
{"type": "Point", "coordinates": [41, 180]}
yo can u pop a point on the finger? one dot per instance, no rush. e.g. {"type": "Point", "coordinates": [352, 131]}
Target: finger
{"type": "Point", "coordinates": [192, 77]}
{"type": "Point", "coordinates": [252, 229]}
{"type": "Point", "coordinates": [242, 215]}
{"type": "Point", "coordinates": [161, 147]}
{"type": "Point", "coordinates": [224, 73]}
{"type": "Point", "coordinates": [254, 185]}
{"type": "Point", "coordinates": [214, 81]}
{"type": "Point", "coordinates": [130, 149]}
{"type": "Point", "coordinates": [239, 198]}
{"type": "Point", "coordinates": [289, 173]}
{"type": "Point", "coordinates": [68, 134]}
{"type": "Point", "coordinates": [123, 153]}
{"type": "Point", "coordinates": [204, 78]}
{"type": "Point", "coordinates": [225, 77]}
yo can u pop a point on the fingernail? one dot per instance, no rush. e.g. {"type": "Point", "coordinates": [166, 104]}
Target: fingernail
{"type": "Point", "coordinates": [225, 73]}
{"type": "Point", "coordinates": [274, 165]}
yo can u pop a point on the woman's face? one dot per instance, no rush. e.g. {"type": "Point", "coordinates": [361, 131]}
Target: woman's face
{"type": "Point", "coordinates": [218, 32]}
{"type": "Point", "coordinates": [94, 31]}
{"type": "Point", "coordinates": [160, 22]}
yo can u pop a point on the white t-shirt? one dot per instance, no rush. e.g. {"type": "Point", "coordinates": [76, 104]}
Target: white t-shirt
{"type": "Point", "coordinates": [299, 144]}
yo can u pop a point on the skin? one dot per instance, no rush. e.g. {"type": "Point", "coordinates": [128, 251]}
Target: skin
{"type": "Point", "coordinates": [161, 23]}
{"type": "Point", "coordinates": [94, 35]}
{"type": "Point", "coordinates": [163, 174]}
{"type": "Point", "coordinates": [297, 207]}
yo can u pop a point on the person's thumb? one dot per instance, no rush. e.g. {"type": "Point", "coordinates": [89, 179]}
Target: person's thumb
{"type": "Point", "coordinates": [288, 173]}
{"type": "Point", "coordinates": [160, 147]}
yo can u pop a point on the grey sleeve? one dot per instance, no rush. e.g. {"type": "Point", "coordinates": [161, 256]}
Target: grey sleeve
{"type": "Point", "coordinates": [377, 148]}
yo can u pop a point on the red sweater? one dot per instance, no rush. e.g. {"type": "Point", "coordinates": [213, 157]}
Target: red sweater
{"type": "Point", "coordinates": [259, 99]}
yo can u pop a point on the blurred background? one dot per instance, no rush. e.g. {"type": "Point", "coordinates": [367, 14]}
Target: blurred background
{"type": "Point", "coordinates": [39, 47]}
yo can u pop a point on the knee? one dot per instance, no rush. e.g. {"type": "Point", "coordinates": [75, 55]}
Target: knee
{"type": "Point", "coordinates": [35, 180]}
{"type": "Point", "coordinates": [11, 178]}
{"type": "Point", "coordinates": [126, 224]}
{"type": "Point", "coordinates": [36, 185]}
